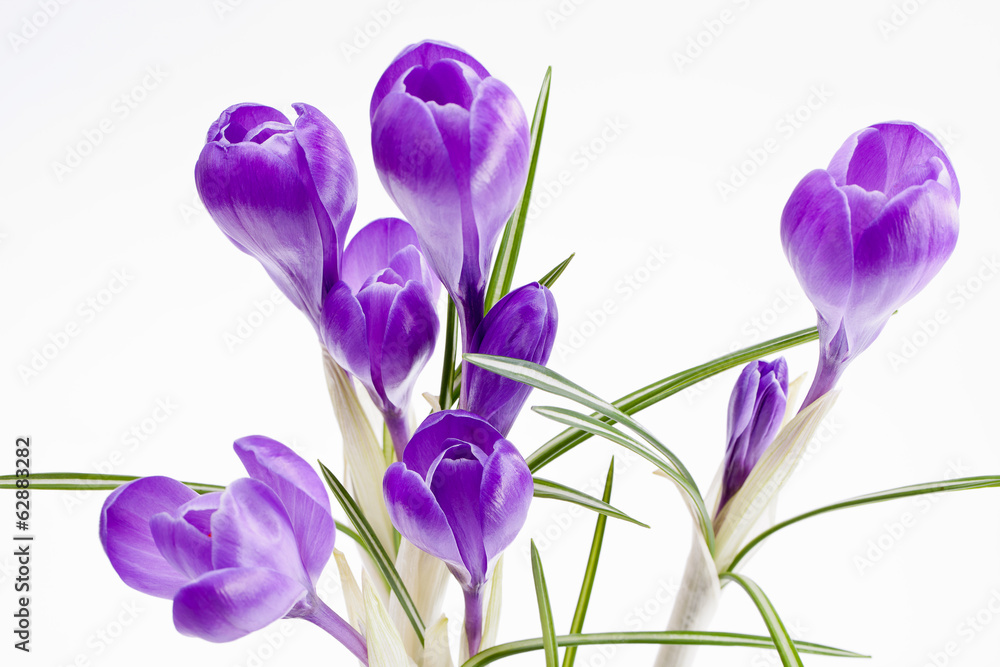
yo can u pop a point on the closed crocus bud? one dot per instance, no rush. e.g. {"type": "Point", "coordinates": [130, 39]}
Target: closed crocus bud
{"type": "Point", "coordinates": [379, 322]}
{"type": "Point", "coordinates": [283, 193]}
{"type": "Point", "coordinates": [756, 409]}
{"type": "Point", "coordinates": [233, 561]}
{"type": "Point", "coordinates": [522, 325]}
{"type": "Point", "coordinates": [461, 493]}
{"type": "Point", "coordinates": [868, 233]}
{"type": "Point", "coordinates": [451, 147]}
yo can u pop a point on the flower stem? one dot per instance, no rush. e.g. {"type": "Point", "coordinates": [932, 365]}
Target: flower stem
{"type": "Point", "coordinates": [474, 619]}
{"type": "Point", "coordinates": [694, 605]}
{"type": "Point", "coordinates": [398, 431]}
{"type": "Point", "coordinates": [828, 373]}
{"type": "Point", "coordinates": [321, 615]}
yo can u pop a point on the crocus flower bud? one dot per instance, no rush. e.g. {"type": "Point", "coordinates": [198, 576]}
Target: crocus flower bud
{"type": "Point", "coordinates": [232, 561]}
{"type": "Point", "coordinates": [461, 493]}
{"type": "Point", "coordinates": [283, 193]}
{"type": "Point", "coordinates": [522, 325]}
{"type": "Point", "coordinates": [756, 409]}
{"type": "Point", "coordinates": [867, 234]}
{"type": "Point", "coordinates": [451, 148]}
{"type": "Point", "coordinates": [379, 322]}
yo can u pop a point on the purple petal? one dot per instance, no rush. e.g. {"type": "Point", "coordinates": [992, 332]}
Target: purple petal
{"type": "Point", "coordinates": [300, 491]}
{"type": "Point", "coordinates": [344, 333]}
{"type": "Point", "coordinates": [408, 342]}
{"type": "Point", "coordinates": [184, 536]}
{"type": "Point", "coordinates": [128, 541]}
{"type": "Point", "coordinates": [816, 235]}
{"type": "Point", "coordinates": [742, 400]}
{"type": "Point", "coordinates": [897, 256]}
{"type": "Point", "coordinates": [426, 444]}
{"type": "Point", "coordinates": [231, 603]}
{"type": "Point", "coordinates": [260, 203]}
{"type": "Point", "coordinates": [522, 325]}
{"type": "Point", "coordinates": [909, 146]}
{"type": "Point", "coordinates": [499, 149]}
{"type": "Point", "coordinates": [235, 122]}
{"type": "Point", "coordinates": [443, 83]}
{"type": "Point", "coordinates": [865, 207]}
{"type": "Point", "coordinates": [376, 301]}
{"type": "Point", "coordinates": [334, 178]}
{"type": "Point", "coordinates": [373, 248]}
{"type": "Point", "coordinates": [251, 529]}
{"type": "Point", "coordinates": [456, 486]}
{"type": "Point", "coordinates": [423, 54]}
{"type": "Point", "coordinates": [504, 498]}
{"type": "Point", "coordinates": [416, 169]}
{"type": "Point", "coordinates": [869, 162]}
{"type": "Point", "coordinates": [416, 514]}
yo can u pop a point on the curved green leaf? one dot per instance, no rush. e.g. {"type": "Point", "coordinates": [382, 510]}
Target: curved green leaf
{"type": "Point", "coordinates": [550, 278]}
{"type": "Point", "coordinates": [779, 634]}
{"type": "Point", "coordinates": [544, 610]}
{"type": "Point", "coordinates": [545, 488]}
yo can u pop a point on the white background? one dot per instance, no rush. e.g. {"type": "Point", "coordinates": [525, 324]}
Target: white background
{"type": "Point", "coordinates": [663, 137]}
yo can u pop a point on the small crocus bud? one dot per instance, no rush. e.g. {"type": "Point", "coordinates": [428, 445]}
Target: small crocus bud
{"type": "Point", "coordinates": [865, 235]}
{"type": "Point", "coordinates": [522, 325]}
{"type": "Point", "coordinates": [756, 409]}
{"type": "Point", "coordinates": [283, 193]}
{"type": "Point", "coordinates": [450, 144]}
{"type": "Point", "coordinates": [379, 322]}
{"type": "Point", "coordinates": [233, 561]}
{"type": "Point", "coordinates": [461, 493]}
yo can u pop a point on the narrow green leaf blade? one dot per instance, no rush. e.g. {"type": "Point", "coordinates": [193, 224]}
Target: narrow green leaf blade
{"type": "Point", "coordinates": [779, 634]}
{"type": "Point", "coordinates": [510, 245]}
{"type": "Point", "coordinates": [550, 278]}
{"type": "Point", "coordinates": [945, 486]}
{"type": "Point", "coordinates": [595, 426]}
{"type": "Point", "coordinates": [668, 386]}
{"type": "Point", "coordinates": [548, 380]}
{"type": "Point", "coordinates": [590, 573]}
{"type": "Point", "coordinates": [449, 389]}
{"type": "Point", "coordinates": [80, 481]}
{"type": "Point", "coordinates": [374, 547]}
{"type": "Point", "coordinates": [544, 610]}
{"type": "Point", "coordinates": [545, 488]}
{"type": "Point", "coordinates": [691, 638]}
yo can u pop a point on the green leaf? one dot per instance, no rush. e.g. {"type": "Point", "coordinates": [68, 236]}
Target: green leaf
{"type": "Point", "coordinates": [656, 392]}
{"type": "Point", "coordinates": [699, 638]}
{"type": "Point", "coordinates": [79, 481]}
{"type": "Point", "coordinates": [545, 488]}
{"type": "Point", "coordinates": [782, 640]}
{"type": "Point", "coordinates": [510, 245]}
{"type": "Point", "coordinates": [592, 425]}
{"type": "Point", "coordinates": [375, 549]}
{"type": "Point", "coordinates": [449, 392]}
{"type": "Point", "coordinates": [961, 484]}
{"type": "Point", "coordinates": [550, 278]}
{"type": "Point", "coordinates": [548, 380]}
{"type": "Point", "coordinates": [590, 573]}
{"type": "Point", "coordinates": [544, 610]}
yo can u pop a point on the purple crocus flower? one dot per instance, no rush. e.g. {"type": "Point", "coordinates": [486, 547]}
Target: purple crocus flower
{"type": "Point", "coordinates": [283, 193]}
{"type": "Point", "coordinates": [522, 325]}
{"type": "Point", "coordinates": [461, 493]}
{"type": "Point", "coordinates": [867, 234]}
{"type": "Point", "coordinates": [379, 322]}
{"type": "Point", "coordinates": [232, 561]}
{"type": "Point", "coordinates": [451, 148]}
{"type": "Point", "coordinates": [756, 409]}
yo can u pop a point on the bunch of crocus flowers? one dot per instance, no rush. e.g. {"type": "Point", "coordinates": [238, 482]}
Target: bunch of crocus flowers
{"type": "Point", "coordinates": [452, 147]}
